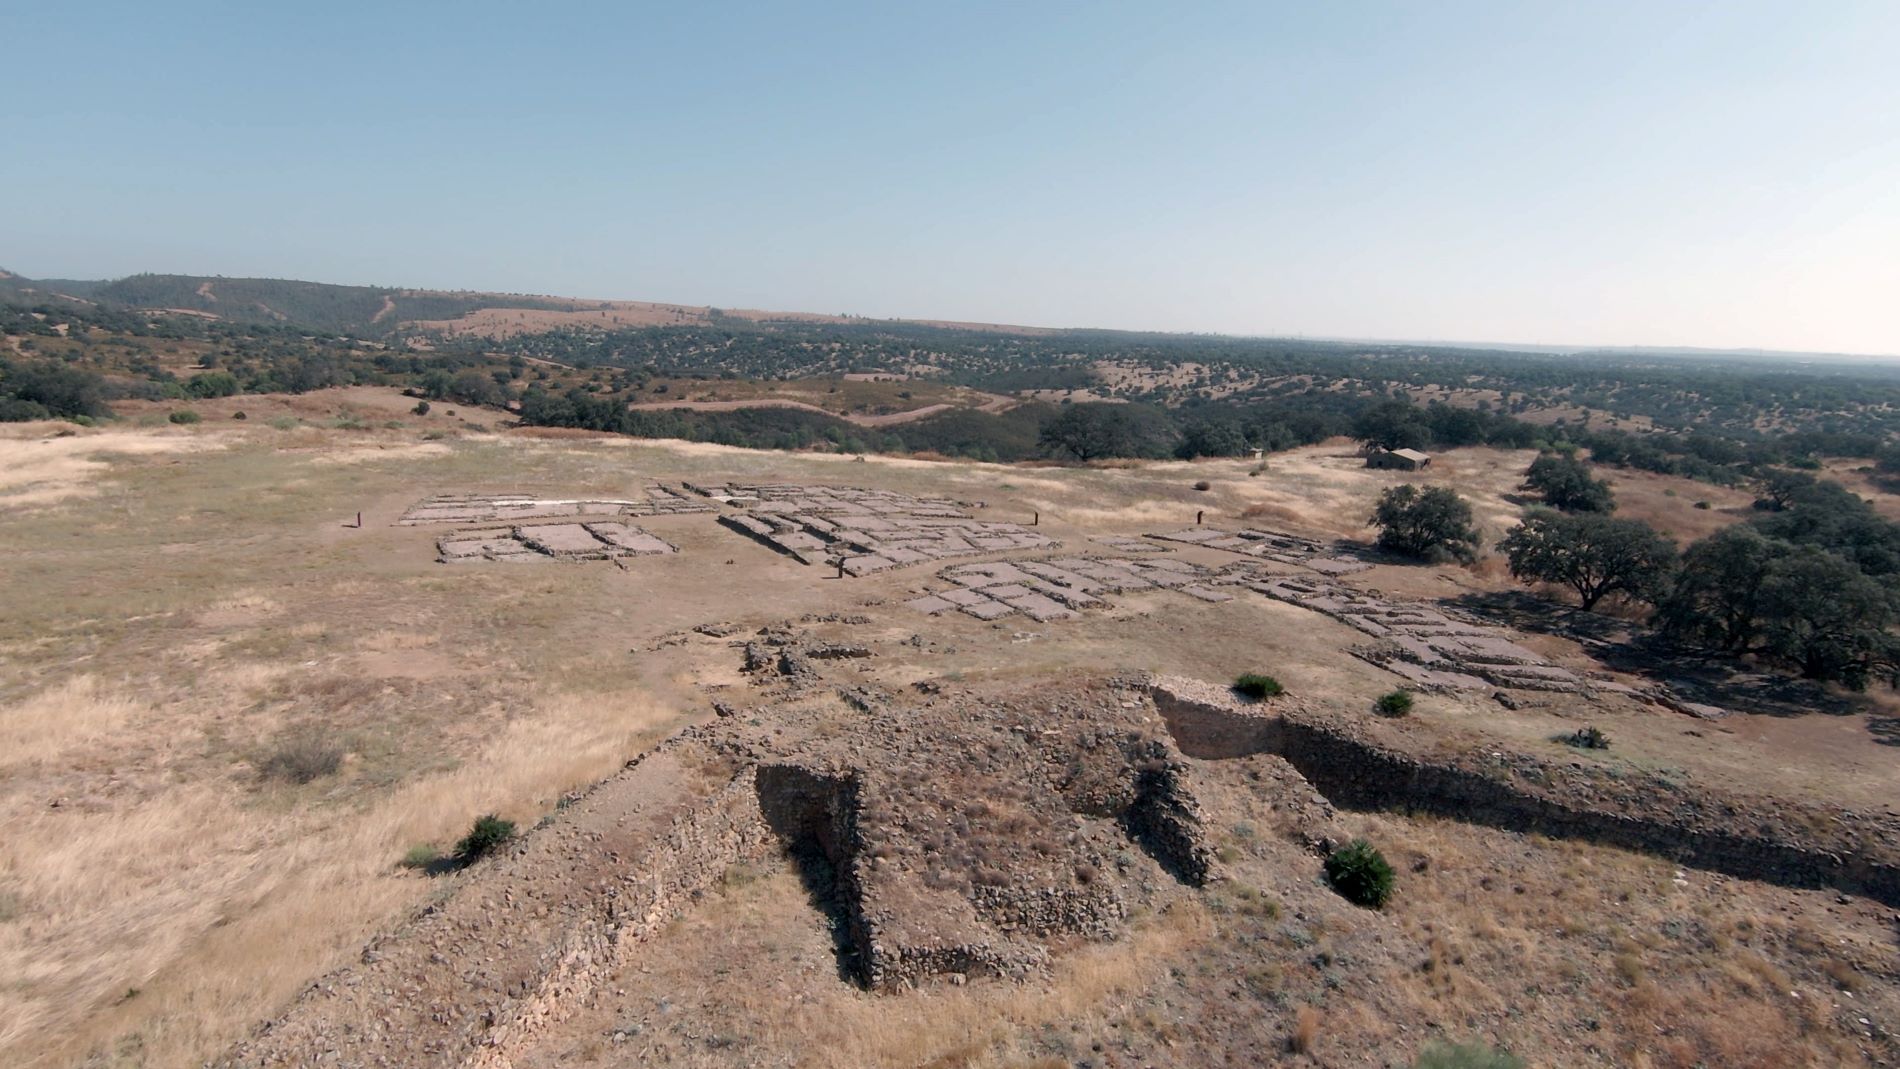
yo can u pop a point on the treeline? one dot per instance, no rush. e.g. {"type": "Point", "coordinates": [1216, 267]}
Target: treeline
{"type": "Point", "coordinates": [984, 436]}
{"type": "Point", "coordinates": [45, 390]}
{"type": "Point", "coordinates": [1746, 400]}
{"type": "Point", "coordinates": [1810, 584]}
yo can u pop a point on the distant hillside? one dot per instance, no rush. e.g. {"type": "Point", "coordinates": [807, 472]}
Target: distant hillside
{"type": "Point", "coordinates": [363, 310]}
{"type": "Point", "coordinates": [377, 311]}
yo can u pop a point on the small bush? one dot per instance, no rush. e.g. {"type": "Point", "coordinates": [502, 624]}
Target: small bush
{"type": "Point", "coordinates": [1586, 739]}
{"type": "Point", "coordinates": [184, 417]}
{"type": "Point", "coordinates": [1704, 505]}
{"type": "Point", "coordinates": [421, 409]}
{"type": "Point", "coordinates": [1397, 703]}
{"type": "Point", "coordinates": [421, 856]}
{"type": "Point", "coordinates": [489, 834]}
{"type": "Point", "coordinates": [1465, 1056]}
{"type": "Point", "coordinates": [1203, 485]}
{"type": "Point", "coordinates": [1258, 686]}
{"type": "Point", "coordinates": [284, 423]}
{"type": "Point", "coordinates": [239, 415]}
{"type": "Point", "coordinates": [302, 759]}
{"type": "Point", "coordinates": [1360, 874]}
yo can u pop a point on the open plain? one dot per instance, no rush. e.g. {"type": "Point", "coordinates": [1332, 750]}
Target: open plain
{"type": "Point", "coordinates": [790, 811]}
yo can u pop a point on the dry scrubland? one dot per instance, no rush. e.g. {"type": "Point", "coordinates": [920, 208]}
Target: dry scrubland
{"type": "Point", "coordinates": [190, 624]}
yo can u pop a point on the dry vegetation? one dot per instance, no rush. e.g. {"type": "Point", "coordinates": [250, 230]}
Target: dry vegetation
{"type": "Point", "coordinates": [225, 715]}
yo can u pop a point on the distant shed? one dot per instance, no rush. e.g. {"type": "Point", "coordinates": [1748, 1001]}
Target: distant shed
{"type": "Point", "coordinates": [1398, 459]}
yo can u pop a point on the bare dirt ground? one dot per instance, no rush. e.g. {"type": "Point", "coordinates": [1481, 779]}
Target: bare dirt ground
{"type": "Point", "coordinates": [868, 402]}
{"type": "Point", "coordinates": [885, 420]}
{"type": "Point", "coordinates": [189, 609]}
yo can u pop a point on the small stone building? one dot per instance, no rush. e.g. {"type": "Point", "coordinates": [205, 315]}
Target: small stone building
{"type": "Point", "coordinates": [1398, 459]}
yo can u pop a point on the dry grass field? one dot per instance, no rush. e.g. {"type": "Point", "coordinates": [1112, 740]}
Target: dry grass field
{"type": "Point", "coordinates": [227, 712]}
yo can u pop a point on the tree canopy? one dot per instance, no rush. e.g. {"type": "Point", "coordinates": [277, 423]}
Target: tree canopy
{"type": "Point", "coordinates": [1434, 523]}
{"type": "Point", "coordinates": [1566, 484]}
{"type": "Point", "coordinates": [1592, 554]}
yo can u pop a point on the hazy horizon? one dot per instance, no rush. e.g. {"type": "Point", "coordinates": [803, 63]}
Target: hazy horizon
{"type": "Point", "coordinates": [1618, 176]}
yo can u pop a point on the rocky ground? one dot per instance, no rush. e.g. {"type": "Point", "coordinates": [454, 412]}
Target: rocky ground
{"type": "Point", "coordinates": [862, 825]}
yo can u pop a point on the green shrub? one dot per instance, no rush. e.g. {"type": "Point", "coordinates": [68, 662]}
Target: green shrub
{"type": "Point", "coordinates": [1465, 1056]}
{"type": "Point", "coordinates": [1203, 485]}
{"type": "Point", "coordinates": [422, 408]}
{"type": "Point", "coordinates": [184, 417]}
{"type": "Point", "coordinates": [1360, 874]}
{"type": "Point", "coordinates": [1256, 686]}
{"type": "Point", "coordinates": [1397, 703]}
{"type": "Point", "coordinates": [1586, 739]}
{"type": "Point", "coordinates": [284, 423]}
{"type": "Point", "coordinates": [420, 856]}
{"type": "Point", "coordinates": [489, 834]}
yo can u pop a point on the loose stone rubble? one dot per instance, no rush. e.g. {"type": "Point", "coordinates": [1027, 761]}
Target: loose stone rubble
{"type": "Point", "coordinates": [1269, 545]}
{"type": "Point", "coordinates": [1055, 588]}
{"type": "Point", "coordinates": [954, 837]}
{"type": "Point", "coordinates": [1129, 544]}
{"type": "Point", "coordinates": [574, 539]}
{"type": "Point", "coordinates": [870, 530]}
{"type": "Point", "coordinates": [1425, 645]}
{"type": "Point", "coordinates": [659, 500]}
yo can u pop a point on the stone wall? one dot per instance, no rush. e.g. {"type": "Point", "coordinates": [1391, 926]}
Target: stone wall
{"type": "Point", "coordinates": [473, 980]}
{"type": "Point", "coordinates": [1166, 820]}
{"type": "Point", "coordinates": [690, 860]}
{"type": "Point", "coordinates": [1353, 770]}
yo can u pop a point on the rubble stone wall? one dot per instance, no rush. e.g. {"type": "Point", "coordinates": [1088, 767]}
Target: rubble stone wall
{"type": "Point", "coordinates": [691, 859]}
{"type": "Point", "coordinates": [1166, 819]}
{"type": "Point", "coordinates": [1357, 772]}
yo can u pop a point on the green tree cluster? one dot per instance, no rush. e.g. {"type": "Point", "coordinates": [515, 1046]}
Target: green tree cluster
{"type": "Point", "coordinates": [1430, 524]}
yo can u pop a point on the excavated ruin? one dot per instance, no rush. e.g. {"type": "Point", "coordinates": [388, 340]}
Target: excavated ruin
{"type": "Point", "coordinates": [969, 832]}
{"type": "Point", "coordinates": [964, 835]}
{"type": "Point", "coordinates": [1347, 763]}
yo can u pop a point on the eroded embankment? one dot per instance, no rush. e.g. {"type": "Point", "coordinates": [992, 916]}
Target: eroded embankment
{"type": "Point", "coordinates": [1750, 838]}
{"type": "Point", "coordinates": [472, 980]}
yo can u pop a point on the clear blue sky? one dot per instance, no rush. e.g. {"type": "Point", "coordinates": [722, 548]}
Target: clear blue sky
{"type": "Point", "coordinates": [1723, 174]}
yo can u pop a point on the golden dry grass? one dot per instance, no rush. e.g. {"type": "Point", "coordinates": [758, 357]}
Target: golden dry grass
{"type": "Point", "coordinates": [45, 463]}
{"type": "Point", "coordinates": [184, 599]}
{"type": "Point", "coordinates": [214, 909]}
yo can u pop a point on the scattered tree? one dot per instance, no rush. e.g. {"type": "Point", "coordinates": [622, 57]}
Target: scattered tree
{"type": "Point", "coordinates": [1212, 438]}
{"type": "Point", "coordinates": [1825, 618]}
{"type": "Point", "coordinates": [1566, 484]}
{"type": "Point", "coordinates": [1716, 598]}
{"type": "Point", "coordinates": [1433, 524]}
{"type": "Point", "coordinates": [1780, 489]}
{"type": "Point", "coordinates": [1391, 425]}
{"type": "Point", "coordinates": [1592, 554]}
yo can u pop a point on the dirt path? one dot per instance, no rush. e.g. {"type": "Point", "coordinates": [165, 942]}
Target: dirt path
{"type": "Point", "coordinates": [204, 290]}
{"type": "Point", "coordinates": [886, 420]}
{"type": "Point", "coordinates": [389, 305]}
